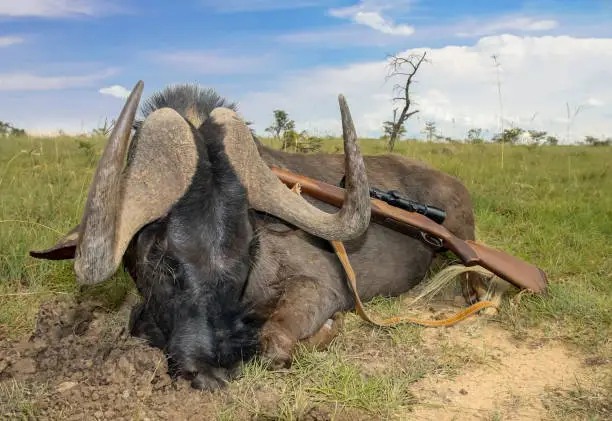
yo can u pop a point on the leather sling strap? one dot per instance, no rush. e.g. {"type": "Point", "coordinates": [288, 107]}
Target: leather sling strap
{"type": "Point", "coordinates": [393, 321]}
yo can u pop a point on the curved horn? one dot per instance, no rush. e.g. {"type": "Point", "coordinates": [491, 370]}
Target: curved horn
{"type": "Point", "coordinates": [97, 227]}
{"type": "Point", "coordinates": [121, 201]}
{"type": "Point", "coordinates": [268, 194]}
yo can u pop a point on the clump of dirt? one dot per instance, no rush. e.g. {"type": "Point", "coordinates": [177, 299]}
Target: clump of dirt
{"type": "Point", "coordinates": [91, 369]}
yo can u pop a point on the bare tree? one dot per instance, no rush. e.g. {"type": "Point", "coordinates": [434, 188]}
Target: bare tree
{"type": "Point", "coordinates": [396, 64]}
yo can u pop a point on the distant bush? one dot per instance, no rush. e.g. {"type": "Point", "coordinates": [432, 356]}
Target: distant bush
{"type": "Point", "coordinates": [593, 141]}
{"type": "Point", "coordinates": [301, 142]}
{"type": "Point", "coordinates": [475, 136]}
{"type": "Point", "coordinates": [552, 140]}
{"type": "Point", "coordinates": [511, 135]}
{"type": "Point", "coordinates": [7, 129]}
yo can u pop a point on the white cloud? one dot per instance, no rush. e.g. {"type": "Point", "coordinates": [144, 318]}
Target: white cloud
{"type": "Point", "coordinates": [376, 21]}
{"type": "Point", "coordinates": [505, 24]}
{"type": "Point", "coordinates": [369, 13]}
{"type": "Point", "coordinates": [10, 40]}
{"type": "Point", "coordinates": [340, 37]}
{"type": "Point", "coordinates": [595, 102]}
{"type": "Point", "coordinates": [31, 82]}
{"type": "Point", "coordinates": [55, 8]}
{"type": "Point", "coordinates": [439, 31]}
{"type": "Point", "coordinates": [116, 90]}
{"type": "Point", "coordinates": [458, 89]}
{"type": "Point", "coordinates": [214, 62]}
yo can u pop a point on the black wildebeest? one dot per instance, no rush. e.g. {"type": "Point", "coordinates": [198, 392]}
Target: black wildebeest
{"type": "Point", "coordinates": [228, 260]}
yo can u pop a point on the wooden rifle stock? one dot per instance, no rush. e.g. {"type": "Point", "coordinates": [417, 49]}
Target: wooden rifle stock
{"type": "Point", "coordinates": [518, 272]}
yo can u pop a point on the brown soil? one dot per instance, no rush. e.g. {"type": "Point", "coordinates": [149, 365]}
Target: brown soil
{"type": "Point", "coordinates": [84, 366]}
{"type": "Point", "coordinates": [510, 381]}
{"type": "Point", "coordinates": [79, 363]}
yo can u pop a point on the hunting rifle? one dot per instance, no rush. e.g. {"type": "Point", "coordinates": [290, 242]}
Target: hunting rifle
{"type": "Point", "coordinates": [518, 272]}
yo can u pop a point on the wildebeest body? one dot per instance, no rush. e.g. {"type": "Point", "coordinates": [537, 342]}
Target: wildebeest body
{"type": "Point", "coordinates": [223, 270]}
{"type": "Point", "coordinates": [306, 274]}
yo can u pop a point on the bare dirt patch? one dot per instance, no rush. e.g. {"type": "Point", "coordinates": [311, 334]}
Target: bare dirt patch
{"type": "Point", "coordinates": [510, 381]}
{"type": "Point", "coordinates": [79, 363]}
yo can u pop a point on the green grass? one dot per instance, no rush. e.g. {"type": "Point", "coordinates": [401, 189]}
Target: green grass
{"type": "Point", "coordinates": [551, 206]}
{"type": "Point", "coordinates": [43, 186]}
{"type": "Point", "coordinates": [322, 380]}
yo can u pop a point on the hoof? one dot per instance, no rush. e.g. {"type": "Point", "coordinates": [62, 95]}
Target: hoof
{"type": "Point", "coordinates": [277, 347]}
{"type": "Point", "coordinates": [330, 329]}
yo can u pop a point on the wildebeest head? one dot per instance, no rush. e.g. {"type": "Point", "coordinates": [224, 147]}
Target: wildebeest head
{"type": "Point", "coordinates": [177, 216]}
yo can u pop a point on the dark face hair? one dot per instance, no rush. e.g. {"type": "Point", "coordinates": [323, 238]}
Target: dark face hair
{"type": "Point", "coordinates": [191, 268]}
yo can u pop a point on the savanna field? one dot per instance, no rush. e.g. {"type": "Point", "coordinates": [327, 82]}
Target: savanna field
{"type": "Point", "coordinates": [538, 358]}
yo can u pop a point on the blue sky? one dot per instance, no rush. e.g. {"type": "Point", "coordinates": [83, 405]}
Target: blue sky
{"type": "Point", "coordinates": [298, 55]}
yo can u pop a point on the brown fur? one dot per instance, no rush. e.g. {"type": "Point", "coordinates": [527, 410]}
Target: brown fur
{"type": "Point", "coordinates": [300, 277]}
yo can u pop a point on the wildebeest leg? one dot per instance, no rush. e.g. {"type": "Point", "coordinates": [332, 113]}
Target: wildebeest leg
{"type": "Point", "coordinates": [471, 285]}
{"type": "Point", "coordinates": [301, 312]}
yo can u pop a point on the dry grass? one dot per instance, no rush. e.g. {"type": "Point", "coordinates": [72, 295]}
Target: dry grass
{"type": "Point", "coordinates": [18, 401]}
{"type": "Point", "coordinates": [580, 402]}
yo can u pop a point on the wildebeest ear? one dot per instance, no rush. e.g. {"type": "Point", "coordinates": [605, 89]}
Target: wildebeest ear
{"type": "Point", "coordinates": [63, 249]}
{"type": "Point", "coordinates": [124, 198]}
